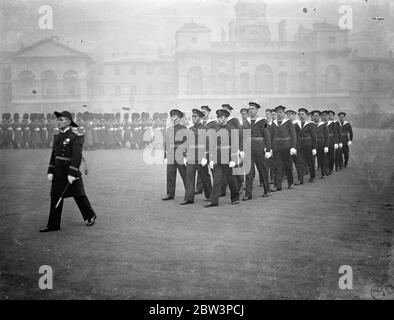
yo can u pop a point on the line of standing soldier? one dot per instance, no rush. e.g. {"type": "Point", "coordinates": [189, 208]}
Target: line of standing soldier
{"type": "Point", "coordinates": [101, 131]}
{"type": "Point", "coordinates": [277, 144]}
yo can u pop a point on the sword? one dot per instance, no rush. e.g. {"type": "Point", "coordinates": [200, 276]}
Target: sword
{"type": "Point", "coordinates": [61, 197]}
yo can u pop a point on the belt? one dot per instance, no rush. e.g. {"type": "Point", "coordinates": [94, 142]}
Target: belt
{"type": "Point", "coordinates": [320, 139]}
{"type": "Point", "coordinates": [62, 158]}
{"type": "Point", "coordinates": [344, 134]}
{"type": "Point", "coordinates": [257, 138]}
{"type": "Point", "coordinates": [330, 134]}
{"type": "Point", "coordinates": [304, 138]}
{"type": "Point", "coordinates": [282, 139]}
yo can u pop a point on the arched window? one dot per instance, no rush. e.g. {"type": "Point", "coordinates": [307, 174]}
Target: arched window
{"type": "Point", "coordinates": [49, 84]}
{"type": "Point", "coordinates": [26, 84]}
{"type": "Point", "coordinates": [194, 80]}
{"type": "Point", "coordinates": [245, 82]}
{"type": "Point", "coordinates": [332, 79]}
{"type": "Point", "coordinates": [264, 80]}
{"type": "Point", "coordinates": [71, 84]}
{"type": "Point", "coordinates": [282, 82]}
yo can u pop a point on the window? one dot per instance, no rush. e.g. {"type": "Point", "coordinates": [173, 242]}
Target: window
{"type": "Point", "coordinates": [282, 63]}
{"type": "Point", "coordinates": [303, 82]}
{"type": "Point", "coordinates": [264, 79]}
{"type": "Point", "coordinates": [116, 70]}
{"type": "Point", "coordinates": [149, 88]}
{"type": "Point", "coordinates": [194, 40]}
{"type": "Point", "coordinates": [101, 71]}
{"type": "Point", "coordinates": [49, 84]}
{"type": "Point", "coordinates": [117, 90]}
{"type": "Point", "coordinates": [26, 84]}
{"type": "Point", "coordinates": [361, 86]}
{"type": "Point", "coordinates": [71, 83]}
{"type": "Point", "coordinates": [375, 67]}
{"type": "Point", "coordinates": [332, 39]}
{"type": "Point", "coordinates": [360, 67]}
{"type": "Point", "coordinates": [244, 63]}
{"type": "Point", "coordinates": [133, 70]}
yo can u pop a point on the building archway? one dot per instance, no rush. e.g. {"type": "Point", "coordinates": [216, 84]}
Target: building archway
{"type": "Point", "coordinates": [71, 85]}
{"type": "Point", "coordinates": [25, 84]}
{"type": "Point", "coordinates": [49, 84]}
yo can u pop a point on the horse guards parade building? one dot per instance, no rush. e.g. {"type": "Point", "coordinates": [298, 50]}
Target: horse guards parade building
{"type": "Point", "coordinates": [321, 67]}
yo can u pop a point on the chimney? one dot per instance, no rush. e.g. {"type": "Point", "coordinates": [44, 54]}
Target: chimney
{"type": "Point", "coordinates": [282, 36]}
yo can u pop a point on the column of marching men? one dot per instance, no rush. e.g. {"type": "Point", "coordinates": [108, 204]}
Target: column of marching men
{"type": "Point", "coordinates": [283, 142]}
{"type": "Point", "coordinates": [101, 130]}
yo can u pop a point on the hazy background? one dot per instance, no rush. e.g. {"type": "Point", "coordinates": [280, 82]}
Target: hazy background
{"type": "Point", "coordinates": [119, 27]}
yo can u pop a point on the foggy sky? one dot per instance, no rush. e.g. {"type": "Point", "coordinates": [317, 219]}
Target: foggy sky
{"type": "Point", "coordinates": [149, 26]}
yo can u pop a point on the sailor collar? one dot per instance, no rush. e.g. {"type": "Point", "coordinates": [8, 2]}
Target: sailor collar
{"type": "Point", "coordinates": [209, 120]}
{"type": "Point", "coordinates": [255, 120]}
{"type": "Point", "coordinates": [283, 121]}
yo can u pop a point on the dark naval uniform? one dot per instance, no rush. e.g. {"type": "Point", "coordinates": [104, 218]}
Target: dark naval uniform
{"type": "Point", "coordinates": [346, 135]}
{"type": "Point", "coordinates": [260, 143]}
{"type": "Point", "coordinates": [338, 152]}
{"type": "Point", "coordinates": [234, 124]}
{"type": "Point", "coordinates": [306, 142]}
{"type": "Point", "coordinates": [322, 140]}
{"type": "Point", "coordinates": [195, 152]}
{"type": "Point", "coordinates": [283, 138]}
{"type": "Point", "coordinates": [170, 148]}
{"type": "Point", "coordinates": [209, 124]}
{"type": "Point", "coordinates": [65, 160]}
{"type": "Point", "coordinates": [221, 169]}
{"type": "Point", "coordinates": [333, 139]}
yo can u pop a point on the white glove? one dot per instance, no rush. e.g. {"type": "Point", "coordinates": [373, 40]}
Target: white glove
{"type": "Point", "coordinates": [314, 152]}
{"type": "Point", "coordinates": [341, 145]}
{"type": "Point", "coordinates": [349, 143]}
{"type": "Point", "coordinates": [231, 164]}
{"type": "Point", "coordinates": [50, 177]}
{"type": "Point", "coordinates": [204, 162]}
{"type": "Point", "coordinates": [242, 154]}
{"type": "Point", "coordinates": [293, 151]}
{"type": "Point", "coordinates": [211, 164]}
{"type": "Point", "coordinates": [165, 161]}
{"type": "Point", "coordinates": [185, 161]}
{"type": "Point", "coordinates": [336, 146]}
{"type": "Point", "coordinates": [325, 149]}
{"type": "Point", "coordinates": [71, 179]}
{"type": "Point", "coordinates": [268, 155]}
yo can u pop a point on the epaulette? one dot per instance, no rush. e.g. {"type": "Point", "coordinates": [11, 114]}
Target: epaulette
{"type": "Point", "coordinates": [75, 130]}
